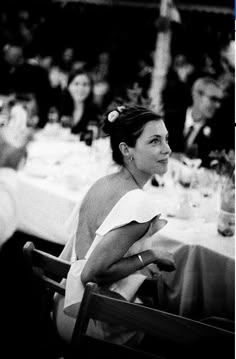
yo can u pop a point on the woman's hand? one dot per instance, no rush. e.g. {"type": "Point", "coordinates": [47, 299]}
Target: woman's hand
{"type": "Point", "coordinates": [164, 260]}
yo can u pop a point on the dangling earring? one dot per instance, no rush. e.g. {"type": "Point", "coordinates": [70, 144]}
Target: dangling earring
{"type": "Point", "coordinates": [131, 158]}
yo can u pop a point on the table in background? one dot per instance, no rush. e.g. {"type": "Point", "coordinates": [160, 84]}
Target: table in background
{"type": "Point", "coordinates": [58, 172]}
{"type": "Point", "coordinates": [57, 175]}
{"type": "Point", "coordinates": [203, 283]}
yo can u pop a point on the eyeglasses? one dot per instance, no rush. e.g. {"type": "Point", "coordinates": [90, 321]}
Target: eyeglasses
{"type": "Point", "coordinates": [212, 98]}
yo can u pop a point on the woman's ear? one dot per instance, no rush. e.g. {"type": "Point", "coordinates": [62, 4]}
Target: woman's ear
{"type": "Point", "coordinates": [124, 149]}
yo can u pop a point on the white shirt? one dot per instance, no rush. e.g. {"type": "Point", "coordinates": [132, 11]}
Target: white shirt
{"type": "Point", "coordinates": [189, 122]}
{"type": "Point", "coordinates": [9, 205]}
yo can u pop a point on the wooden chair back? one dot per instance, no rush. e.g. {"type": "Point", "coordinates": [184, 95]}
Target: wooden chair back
{"type": "Point", "coordinates": [51, 269]}
{"type": "Point", "coordinates": [171, 334]}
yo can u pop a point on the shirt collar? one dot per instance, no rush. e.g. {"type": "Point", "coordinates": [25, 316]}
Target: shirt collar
{"type": "Point", "coordinates": [189, 121]}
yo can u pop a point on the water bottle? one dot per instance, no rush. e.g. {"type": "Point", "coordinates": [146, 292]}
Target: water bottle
{"type": "Point", "coordinates": [226, 217]}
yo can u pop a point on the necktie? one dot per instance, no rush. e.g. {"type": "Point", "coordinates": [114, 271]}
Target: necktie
{"type": "Point", "coordinates": [191, 149]}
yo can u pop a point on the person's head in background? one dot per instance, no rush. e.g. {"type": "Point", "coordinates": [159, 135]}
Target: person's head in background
{"type": "Point", "coordinates": [139, 141]}
{"type": "Point", "coordinates": [67, 59]}
{"type": "Point", "coordinates": [80, 86]}
{"type": "Point", "coordinates": [13, 54]}
{"type": "Point", "coordinates": [207, 96]}
{"type": "Point", "coordinates": [46, 61]}
{"type": "Point", "coordinates": [182, 67]}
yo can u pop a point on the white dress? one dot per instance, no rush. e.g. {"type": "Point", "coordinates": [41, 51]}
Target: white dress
{"type": "Point", "coordinates": [136, 205]}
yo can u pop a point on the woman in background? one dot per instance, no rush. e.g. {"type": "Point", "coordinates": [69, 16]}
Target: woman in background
{"type": "Point", "coordinates": [78, 109]}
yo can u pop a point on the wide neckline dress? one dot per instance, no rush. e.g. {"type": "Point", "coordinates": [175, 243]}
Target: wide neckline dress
{"type": "Point", "coordinates": [136, 205]}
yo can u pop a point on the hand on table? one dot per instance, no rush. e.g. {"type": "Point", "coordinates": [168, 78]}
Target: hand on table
{"type": "Point", "coordinates": [164, 260]}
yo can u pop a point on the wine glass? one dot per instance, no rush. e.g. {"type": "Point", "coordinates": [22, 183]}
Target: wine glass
{"type": "Point", "coordinates": [53, 115]}
{"type": "Point", "coordinates": [88, 137]}
{"type": "Point", "coordinates": [66, 122]}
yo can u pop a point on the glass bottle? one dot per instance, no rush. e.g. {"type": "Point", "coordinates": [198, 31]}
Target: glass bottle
{"type": "Point", "coordinates": [226, 217]}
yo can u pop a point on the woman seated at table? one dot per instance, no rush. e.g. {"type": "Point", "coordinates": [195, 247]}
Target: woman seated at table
{"type": "Point", "coordinates": [117, 220]}
{"type": "Point", "coordinates": [78, 110]}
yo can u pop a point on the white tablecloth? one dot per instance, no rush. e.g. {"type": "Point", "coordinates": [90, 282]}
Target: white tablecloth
{"type": "Point", "coordinates": [203, 283]}
{"type": "Point", "coordinates": [57, 175]}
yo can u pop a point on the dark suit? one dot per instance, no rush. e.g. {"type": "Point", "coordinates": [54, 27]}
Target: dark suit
{"type": "Point", "coordinates": [204, 142]}
{"type": "Point", "coordinates": [28, 79]}
{"type": "Point", "coordinates": [216, 134]}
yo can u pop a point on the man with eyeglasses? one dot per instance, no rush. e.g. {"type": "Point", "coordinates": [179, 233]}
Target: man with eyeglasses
{"type": "Point", "coordinates": [201, 127]}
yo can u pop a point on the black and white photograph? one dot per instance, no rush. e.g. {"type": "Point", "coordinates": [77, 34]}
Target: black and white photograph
{"type": "Point", "coordinates": [117, 179]}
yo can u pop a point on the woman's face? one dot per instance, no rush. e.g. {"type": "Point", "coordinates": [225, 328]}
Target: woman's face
{"type": "Point", "coordinates": [152, 151]}
{"type": "Point", "coordinates": [80, 88]}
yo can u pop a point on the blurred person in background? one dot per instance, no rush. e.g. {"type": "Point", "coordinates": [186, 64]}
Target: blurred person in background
{"type": "Point", "coordinates": [176, 97]}
{"type": "Point", "coordinates": [23, 309]}
{"type": "Point", "coordinates": [78, 108]}
{"type": "Point", "coordinates": [202, 131]}
{"type": "Point", "coordinates": [25, 79]}
{"type": "Point", "coordinates": [67, 59]}
{"type": "Point", "coordinates": [227, 82]}
{"type": "Point", "coordinates": [145, 68]}
{"type": "Point", "coordinates": [58, 82]}
{"type": "Point", "coordinates": [194, 124]}
{"type": "Point", "coordinates": [101, 78]}
{"type": "Point", "coordinates": [10, 160]}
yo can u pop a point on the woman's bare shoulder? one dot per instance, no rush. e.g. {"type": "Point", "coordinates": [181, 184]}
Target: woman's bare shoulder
{"type": "Point", "coordinates": [106, 191]}
{"type": "Point", "coordinates": [101, 186]}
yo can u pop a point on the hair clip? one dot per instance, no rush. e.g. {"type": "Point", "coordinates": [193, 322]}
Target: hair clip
{"type": "Point", "coordinates": [113, 115]}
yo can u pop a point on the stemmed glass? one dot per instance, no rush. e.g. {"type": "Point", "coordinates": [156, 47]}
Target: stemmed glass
{"type": "Point", "coordinates": [186, 180]}
{"type": "Point", "coordinates": [66, 122]}
{"type": "Point", "coordinates": [53, 115]}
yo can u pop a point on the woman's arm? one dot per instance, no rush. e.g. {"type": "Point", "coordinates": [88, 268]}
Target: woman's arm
{"type": "Point", "coordinates": [106, 263]}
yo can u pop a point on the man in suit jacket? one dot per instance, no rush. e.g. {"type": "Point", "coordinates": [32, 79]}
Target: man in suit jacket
{"type": "Point", "coordinates": [195, 126]}
{"type": "Point", "coordinates": [201, 127]}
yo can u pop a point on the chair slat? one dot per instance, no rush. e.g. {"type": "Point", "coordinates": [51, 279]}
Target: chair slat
{"type": "Point", "coordinates": [50, 264]}
{"type": "Point", "coordinates": [173, 334]}
{"type": "Point", "coordinates": [152, 321]}
{"type": "Point", "coordinates": [57, 287]}
{"type": "Point", "coordinates": [51, 269]}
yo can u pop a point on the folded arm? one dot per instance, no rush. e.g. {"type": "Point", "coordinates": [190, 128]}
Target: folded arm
{"type": "Point", "coordinates": [107, 264]}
